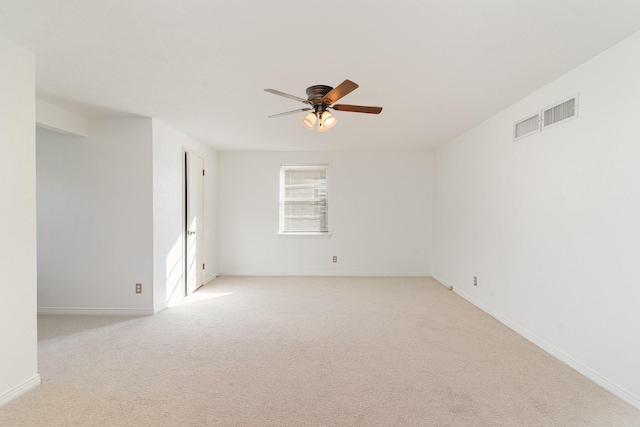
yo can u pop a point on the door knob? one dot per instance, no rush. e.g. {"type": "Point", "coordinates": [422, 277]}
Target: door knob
{"type": "Point", "coordinates": [189, 233]}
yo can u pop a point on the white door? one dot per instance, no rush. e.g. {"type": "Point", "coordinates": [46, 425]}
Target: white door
{"type": "Point", "coordinates": [195, 221]}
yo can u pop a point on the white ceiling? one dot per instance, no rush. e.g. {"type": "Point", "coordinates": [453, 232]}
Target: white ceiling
{"type": "Point", "coordinates": [437, 67]}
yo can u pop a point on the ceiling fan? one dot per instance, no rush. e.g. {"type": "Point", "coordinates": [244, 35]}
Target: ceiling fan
{"type": "Point", "coordinates": [320, 99]}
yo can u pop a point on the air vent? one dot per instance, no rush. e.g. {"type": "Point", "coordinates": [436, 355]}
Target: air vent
{"type": "Point", "coordinates": [560, 112]}
{"type": "Point", "coordinates": [527, 126]}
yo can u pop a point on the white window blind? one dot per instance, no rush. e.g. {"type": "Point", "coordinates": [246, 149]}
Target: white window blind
{"type": "Point", "coordinates": [304, 201]}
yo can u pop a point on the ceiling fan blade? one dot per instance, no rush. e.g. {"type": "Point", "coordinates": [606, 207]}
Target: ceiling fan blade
{"type": "Point", "coordinates": [286, 95]}
{"type": "Point", "coordinates": [344, 88]}
{"type": "Point", "coordinates": [357, 108]}
{"type": "Point", "coordinates": [289, 112]}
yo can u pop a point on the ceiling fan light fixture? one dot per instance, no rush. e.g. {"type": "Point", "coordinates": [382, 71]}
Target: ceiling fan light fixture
{"type": "Point", "coordinates": [322, 128]}
{"type": "Point", "coordinates": [328, 120]}
{"type": "Point", "coordinates": [321, 123]}
{"type": "Point", "coordinates": [319, 99]}
{"type": "Point", "coordinates": [309, 121]}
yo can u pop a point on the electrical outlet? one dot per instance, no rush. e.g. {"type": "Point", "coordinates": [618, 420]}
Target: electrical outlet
{"type": "Point", "coordinates": [335, 258]}
{"type": "Point", "coordinates": [138, 288]}
{"type": "Point", "coordinates": [475, 281]}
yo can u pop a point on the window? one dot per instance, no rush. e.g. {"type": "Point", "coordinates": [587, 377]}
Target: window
{"type": "Point", "coordinates": [304, 202]}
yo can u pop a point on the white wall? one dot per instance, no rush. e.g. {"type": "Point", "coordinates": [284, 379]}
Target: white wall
{"type": "Point", "coordinates": [379, 215]}
{"type": "Point", "coordinates": [58, 119]}
{"type": "Point", "coordinates": [168, 202]}
{"type": "Point", "coordinates": [18, 329]}
{"type": "Point", "coordinates": [550, 224]}
{"type": "Point", "coordinates": [95, 206]}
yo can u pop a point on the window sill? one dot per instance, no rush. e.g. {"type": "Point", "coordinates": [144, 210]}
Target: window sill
{"type": "Point", "coordinates": [304, 235]}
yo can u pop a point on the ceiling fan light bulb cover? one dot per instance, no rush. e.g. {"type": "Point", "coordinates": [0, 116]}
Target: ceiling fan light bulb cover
{"type": "Point", "coordinates": [328, 120]}
{"type": "Point", "coordinates": [309, 121]}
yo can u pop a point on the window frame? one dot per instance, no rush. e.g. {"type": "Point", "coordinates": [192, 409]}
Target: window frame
{"type": "Point", "coordinates": [282, 201]}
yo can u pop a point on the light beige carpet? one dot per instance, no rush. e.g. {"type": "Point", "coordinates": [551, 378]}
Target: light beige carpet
{"type": "Point", "coordinates": [306, 351]}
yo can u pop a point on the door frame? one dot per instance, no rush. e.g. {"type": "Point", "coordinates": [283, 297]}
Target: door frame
{"type": "Point", "coordinates": [185, 207]}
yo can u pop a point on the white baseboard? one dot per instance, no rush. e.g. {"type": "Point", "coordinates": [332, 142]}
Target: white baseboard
{"type": "Point", "coordinates": [97, 311]}
{"type": "Point", "coordinates": [325, 274]}
{"type": "Point", "coordinates": [443, 282]}
{"type": "Point", "coordinates": [20, 389]}
{"type": "Point", "coordinates": [161, 307]}
{"type": "Point", "coordinates": [210, 278]}
{"type": "Point", "coordinates": [561, 356]}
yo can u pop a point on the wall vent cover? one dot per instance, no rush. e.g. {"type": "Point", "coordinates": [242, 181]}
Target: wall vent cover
{"type": "Point", "coordinates": [560, 112]}
{"type": "Point", "coordinates": [527, 126]}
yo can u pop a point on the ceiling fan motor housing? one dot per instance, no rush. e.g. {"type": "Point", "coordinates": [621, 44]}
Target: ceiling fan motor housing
{"type": "Point", "coordinates": [317, 92]}
{"type": "Point", "coordinates": [322, 97]}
